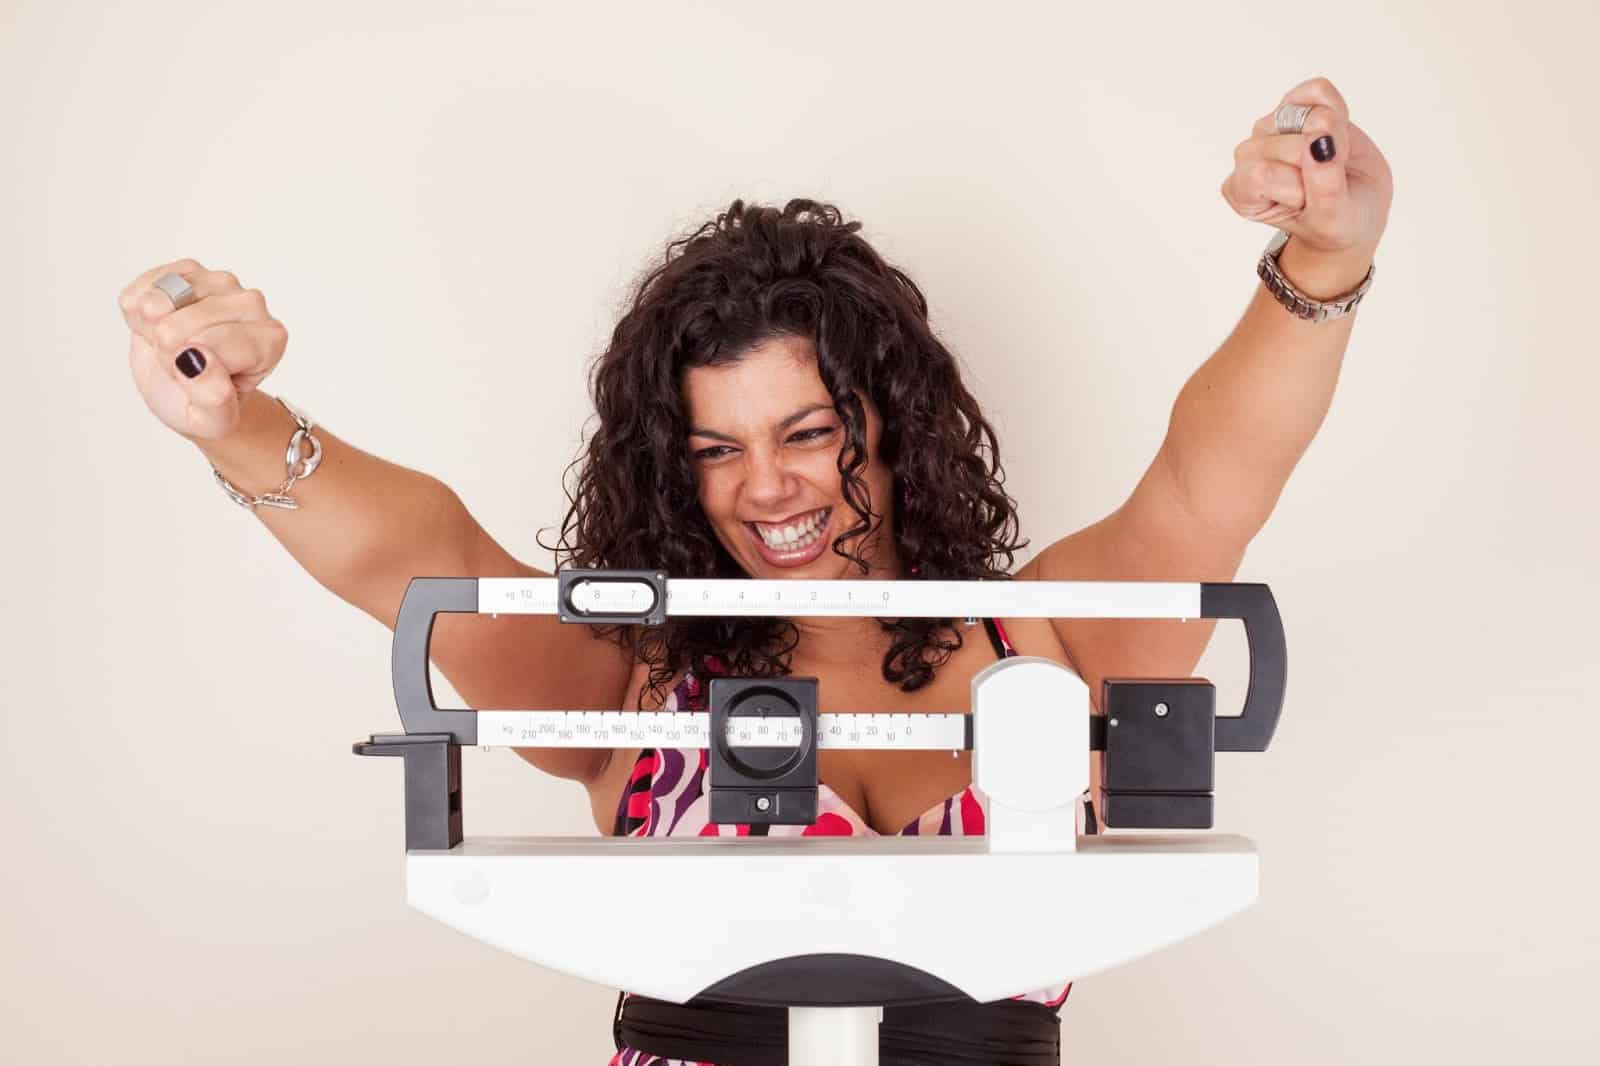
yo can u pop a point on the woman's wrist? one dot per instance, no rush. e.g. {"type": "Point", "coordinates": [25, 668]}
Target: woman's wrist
{"type": "Point", "coordinates": [252, 456]}
{"type": "Point", "coordinates": [1324, 275]}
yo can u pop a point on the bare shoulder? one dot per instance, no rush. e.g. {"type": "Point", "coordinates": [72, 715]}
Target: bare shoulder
{"type": "Point", "coordinates": [1036, 636]}
{"type": "Point", "coordinates": [1151, 537]}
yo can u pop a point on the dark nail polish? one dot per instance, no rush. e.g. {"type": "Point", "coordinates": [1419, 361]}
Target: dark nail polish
{"type": "Point", "coordinates": [1322, 148]}
{"type": "Point", "coordinates": [191, 362]}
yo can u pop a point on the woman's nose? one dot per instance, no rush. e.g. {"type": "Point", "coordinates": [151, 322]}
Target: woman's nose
{"type": "Point", "coordinates": [767, 477]}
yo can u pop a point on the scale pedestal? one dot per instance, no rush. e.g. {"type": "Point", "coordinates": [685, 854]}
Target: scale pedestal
{"type": "Point", "coordinates": [847, 1035]}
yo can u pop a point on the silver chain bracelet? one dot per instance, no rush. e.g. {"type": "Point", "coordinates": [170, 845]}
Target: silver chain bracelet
{"type": "Point", "coordinates": [300, 467]}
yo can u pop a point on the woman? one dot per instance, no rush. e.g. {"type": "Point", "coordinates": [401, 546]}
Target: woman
{"type": "Point", "coordinates": [775, 405]}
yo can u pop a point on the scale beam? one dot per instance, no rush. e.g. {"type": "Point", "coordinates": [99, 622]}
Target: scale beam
{"type": "Point", "coordinates": [926, 731]}
{"type": "Point", "coordinates": [608, 590]}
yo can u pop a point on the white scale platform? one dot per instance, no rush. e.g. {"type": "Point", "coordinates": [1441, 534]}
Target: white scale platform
{"type": "Point", "coordinates": [1027, 920]}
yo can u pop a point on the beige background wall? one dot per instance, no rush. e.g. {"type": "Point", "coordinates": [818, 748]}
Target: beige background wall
{"type": "Point", "coordinates": [445, 204]}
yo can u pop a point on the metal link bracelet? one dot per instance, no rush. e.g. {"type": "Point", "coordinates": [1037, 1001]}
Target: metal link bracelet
{"type": "Point", "coordinates": [300, 467]}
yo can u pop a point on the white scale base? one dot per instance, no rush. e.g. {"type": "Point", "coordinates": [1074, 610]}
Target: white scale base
{"type": "Point", "coordinates": [1046, 917]}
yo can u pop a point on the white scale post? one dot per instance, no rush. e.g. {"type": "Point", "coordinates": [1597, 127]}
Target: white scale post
{"type": "Point", "coordinates": [834, 928]}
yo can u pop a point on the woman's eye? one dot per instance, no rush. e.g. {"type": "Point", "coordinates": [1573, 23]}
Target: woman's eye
{"type": "Point", "coordinates": [803, 435]}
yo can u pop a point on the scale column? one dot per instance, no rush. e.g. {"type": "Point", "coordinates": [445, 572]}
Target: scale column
{"type": "Point", "coordinates": [835, 1036]}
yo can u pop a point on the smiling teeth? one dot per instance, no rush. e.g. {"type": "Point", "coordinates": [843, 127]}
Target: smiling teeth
{"type": "Point", "coordinates": [793, 536]}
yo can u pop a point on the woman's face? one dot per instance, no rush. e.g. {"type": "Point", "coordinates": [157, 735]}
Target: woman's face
{"type": "Point", "coordinates": [764, 443]}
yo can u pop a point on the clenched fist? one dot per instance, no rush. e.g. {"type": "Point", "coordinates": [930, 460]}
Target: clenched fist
{"type": "Point", "coordinates": [1327, 186]}
{"type": "Point", "coordinates": [192, 365]}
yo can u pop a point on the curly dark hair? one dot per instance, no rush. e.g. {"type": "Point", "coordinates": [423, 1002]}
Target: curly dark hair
{"type": "Point", "coordinates": [752, 274]}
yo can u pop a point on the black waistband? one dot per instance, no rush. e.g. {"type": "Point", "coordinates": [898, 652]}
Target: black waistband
{"type": "Point", "coordinates": [1006, 1033]}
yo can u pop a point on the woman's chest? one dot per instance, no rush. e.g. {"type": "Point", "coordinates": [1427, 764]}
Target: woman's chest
{"type": "Point", "coordinates": [888, 789]}
{"type": "Point", "coordinates": [891, 788]}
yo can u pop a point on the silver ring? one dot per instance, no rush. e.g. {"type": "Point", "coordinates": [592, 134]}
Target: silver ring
{"type": "Point", "coordinates": [178, 290]}
{"type": "Point", "coordinates": [1291, 118]}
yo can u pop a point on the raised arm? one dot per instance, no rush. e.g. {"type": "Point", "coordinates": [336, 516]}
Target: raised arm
{"type": "Point", "coordinates": [367, 526]}
{"type": "Point", "coordinates": [364, 526]}
{"type": "Point", "coordinates": [1244, 419]}
{"type": "Point", "coordinates": [1246, 416]}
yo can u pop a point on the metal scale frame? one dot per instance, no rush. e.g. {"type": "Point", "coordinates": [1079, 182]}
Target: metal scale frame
{"type": "Point", "coordinates": [835, 928]}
